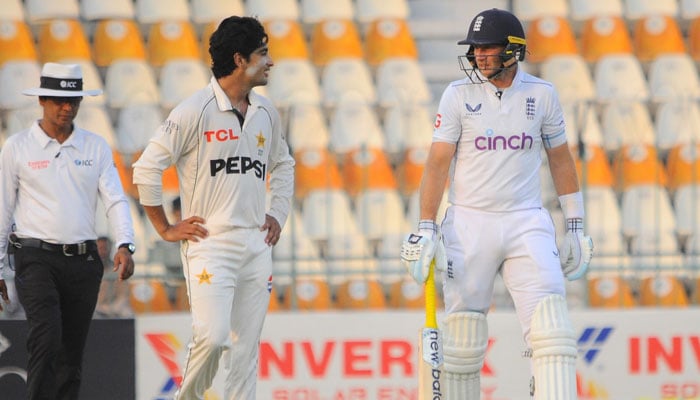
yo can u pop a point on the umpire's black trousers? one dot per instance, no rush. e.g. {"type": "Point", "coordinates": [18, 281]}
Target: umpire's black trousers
{"type": "Point", "coordinates": [58, 293]}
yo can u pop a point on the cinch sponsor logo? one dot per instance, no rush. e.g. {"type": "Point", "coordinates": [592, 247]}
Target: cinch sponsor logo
{"type": "Point", "coordinates": [238, 165]}
{"type": "Point", "coordinates": [41, 164]}
{"type": "Point", "coordinates": [220, 135]}
{"type": "Point", "coordinates": [592, 340]}
{"type": "Point", "coordinates": [490, 141]}
{"type": "Point", "coordinates": [83, 163]}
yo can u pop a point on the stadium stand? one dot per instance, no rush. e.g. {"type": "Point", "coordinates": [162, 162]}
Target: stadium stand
{"type": "Point", "coordinates": [16, 41]}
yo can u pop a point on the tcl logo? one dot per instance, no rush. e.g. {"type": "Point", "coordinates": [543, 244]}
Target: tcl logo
{"type": "Point", "coordinates": [677, 353]}
{"type": "Point", "coordinates": [220, 135]}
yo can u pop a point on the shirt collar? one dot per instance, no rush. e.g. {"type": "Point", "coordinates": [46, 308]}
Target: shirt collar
{"type": "Point", "coordinates": [76, 139]}
{"type": "Point", "coordinates": [223, 102]}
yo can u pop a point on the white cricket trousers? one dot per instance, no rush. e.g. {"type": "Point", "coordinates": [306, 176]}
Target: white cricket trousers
{"type": "Point", "coordinates": [520, 245]}
{"type": "Point", "coordinates": [228, 284]}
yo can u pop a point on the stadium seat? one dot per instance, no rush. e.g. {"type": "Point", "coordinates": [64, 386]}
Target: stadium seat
{"type": "Point", "coordinates": [308, 295]}
{"type": "Point", "coordinates": [267, 10]}
{"type": "Point", "coordinates": [286, 39]}
{"type": "Point", "coordinates": [21, 118]}
{"type": "Point", "coordinates": [656, 35]}
{"type": "Point", "coordinates": [170, 40]}
{"type": "Point", "coordinates": [358, 294]}
{"type": "Point", "coordinates": [123, 164]}
{"type": "Point", "coordinates": [16, 42]}
{"type": "Point", "coordinates": [116, 39]}
{"type": "Point", "coordinates": [91, 79]}
{"type": "Point", "coordinates": [388, 38]}
{"type": "Point", "coordinates": [626, 123]}
{"type": "Point", "coordinates": [598, 171]}
{"type": "Point", "coordinates": [571, 76]}
{"type": "Point", "coordinates": [291, 80]}
{"type": "Point", "coordinates": [610, 292]}
{"type": "Point", "coordinates": [367, 11]}
{"type": "Point", "coordinates": [15, 76]}
{"type": "Point", "coordinates": [604, 220]}
{"type": "Point", "coordinates": [367, 168]}
{"type": "Point", "coordinates": [343, 75]}
{"type": "Point", "coordinates": [95, 119]}
{"type": "Point", "coordinates": [303, 120]}
{"type": "Point", "coordinates": [149, 296]}
{"type": "Point", "coordinates": [408, 126]}
{"type": "Point", "coordinates": [530, 10]}
{"type": "Point", "coordinates": [693, 38]}
{"type": "Point", "coordinates": [40, 10]}
{"type": "Point", "coordinates": [205, 35]}
{"type": "Point", "coordinates": [61, 39]}
{"type": "Point", "coordinates": [354, 124]}
{"type": "Point", "coordinates": [406, 294]}
{"type": "Point", "coordinates": [348, 256]}
{"type": "Point", "coordinates": [95, 10]}
{"type": "Point", "coordinates": [604, 35]}
{"type": "Point", "coordinates": [413, 213]}
{"type": "Point", "coordinates": [639, 164]}
{"type": "Point", "coordinates": [687, 212]}
{"type": "Point", "coordinates": [582, 10]}
{"type": "Point", "coordinates": [179, 78]}
{"type": "Point", "coordinates": [295, 255]}
{"type": "Point", "coordinates": [683, 165]}
{"type": "Point", "coordinates": [315, 169]}
{"type": "Point", "coordinates": [673, 77]}
{"type": "Point", "coordinates": [637, 9]}
{"type": "Point", "coordinates": [135, 126]}
{"type": "Point", "coordinates": [548, 36]}
{"type": "Point", "coordinates": [380, 212]}
{"type": "Point", "coordinates": [582, 125]}
{"type": "Point", "coordinates": [409, 172]}
{"type": "Point", "coordinates": [662, 291]}
{"type": "Point", "coordinates": [205, 11]}
{"type": "Point", "coordinates": [401, 81]}
{"type": "Point", "coordinates": [335, 38]}
{"type": "Point", "coordinates": [12, 11]}
{"type": "Point", "coordinates": [328, 212]}
{"type": "Point", "coordinates": [676, 123]}
{"type": "Point", "coordinates": [154, 11]}
{"type": "Point", "coordinates": [620, 77]}
{"type": "Point", "coordinates": [130, 81]}
{"type": "Point", "coordinates": [315, 11]}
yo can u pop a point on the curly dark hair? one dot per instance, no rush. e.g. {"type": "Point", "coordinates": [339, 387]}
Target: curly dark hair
{"type": "Point", "coordinates": [234, 35]}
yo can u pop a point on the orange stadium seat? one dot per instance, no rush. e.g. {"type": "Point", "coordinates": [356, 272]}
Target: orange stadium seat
{"type": "Point", "coordinates": [182, 301]}
{"type": "Point", "coordinates": [683, 165]}
{"type": "Point", "coordinates": [367, 168]}
{"type": "Point", "coordinates": [16, 42]}
{"type": "Point", "coordinates": [603, 35]}
{"type": "Point", "coordinates": [410, 171]}
{"type": "Point", "coordinates": [275, 304]}
{"type": "Point", "coordinates": [169, 40]}
{"type": "Point", "coordinates": [662, 291]}
{"type": "Point", "coordinates": [308, 295]}
{"type": "Point", "coordinates": [287, 39]}
{"type": "Point", "coordinates": [123, 164]}
{"type": "Point", "coordinates": [636, 165]}
{"type": "Point", "coordinates": [610, 292]}
{"type": "Point", "coordinates": [207, 31]}
{"type": "Point", "coordinates": [360, 294]}
{"type": "Point", "coordinates": [62, 39]}
{"type": "Point", "coordinates": [335, 38]}
{"type": "Point", "coordinates": [388, 38]}
{"type": "Point", "coordinates": [598, 171]}
{"type": "Point", "coordinates": [694, 38]}
{"type": "Point", "coordinates": [548, 36]}
{"type": "Point", "coordinates": [406, 294]}
{"type": "Point", "coordinates": [149, 296]}
{"type": "Point", "coordinates": [116, 39]}
{"type": "Point", "coordinates": [315, 169]}
{"type": "Point", "coordinates": [656, 35]}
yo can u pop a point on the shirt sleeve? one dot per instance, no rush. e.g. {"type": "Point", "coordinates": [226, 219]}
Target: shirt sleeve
{"type": "Point", "coordinates": [448, 121]}
{"type": "Point", "coordinates": [8, 198]}
{"type": "Point", "coordinates": [553, 125]}
{"type": "Point", "coordinates": [281, 174]}
{"type": "Point", "coordinates": [114, 199]}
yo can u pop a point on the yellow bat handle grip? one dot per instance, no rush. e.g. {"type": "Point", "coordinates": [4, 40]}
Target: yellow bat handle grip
{"type": "Point", "coordinates": [430, 296]}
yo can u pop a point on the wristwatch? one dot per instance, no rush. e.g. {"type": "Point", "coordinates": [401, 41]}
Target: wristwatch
{"type": "Point", "coordinates": [129, 246]}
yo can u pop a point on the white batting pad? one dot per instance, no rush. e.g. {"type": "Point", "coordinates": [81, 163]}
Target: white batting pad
{"type": "Point", "coordinates": [553, 350]}
{"type": "Point", "coordinates": [465, 341]}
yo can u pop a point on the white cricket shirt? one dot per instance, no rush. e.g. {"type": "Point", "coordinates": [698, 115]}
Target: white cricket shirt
{"type": "Point", "coordinates": [222, 167]}
{"type": "Point", "coordinates": [499, 140]}
{"type": "Point", "coordinates": [51, 189]}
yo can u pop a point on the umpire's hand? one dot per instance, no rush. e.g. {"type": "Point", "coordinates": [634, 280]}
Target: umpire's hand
{"type": "Point", "coordinates": [123, 262]}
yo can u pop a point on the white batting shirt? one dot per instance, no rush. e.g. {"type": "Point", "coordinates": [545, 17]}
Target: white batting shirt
{"type": "Point", "coordinates": [499, 140]}
{"type": "Point", "coordinates": [222, 168]}
{"type": "Point", "coordinates": [51, 188]}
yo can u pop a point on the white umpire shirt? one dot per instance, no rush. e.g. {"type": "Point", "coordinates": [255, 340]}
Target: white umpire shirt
{"type": "Point", "coordinates": [499, 140]}
{"type": "Point", "coordinates": [222, 167]}
{"type": "Point", "coordinates": [51, 189]}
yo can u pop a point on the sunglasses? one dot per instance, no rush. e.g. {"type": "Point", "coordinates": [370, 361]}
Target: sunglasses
{"type": "Point", "coordinates": [74, 101]}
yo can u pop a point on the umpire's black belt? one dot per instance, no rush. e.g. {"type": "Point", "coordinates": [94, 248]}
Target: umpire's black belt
{"type": "Point", "coordinates": [74, 249]}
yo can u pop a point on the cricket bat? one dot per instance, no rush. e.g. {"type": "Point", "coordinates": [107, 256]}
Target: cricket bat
{"type": "Point", "coordinates": [430, 346]}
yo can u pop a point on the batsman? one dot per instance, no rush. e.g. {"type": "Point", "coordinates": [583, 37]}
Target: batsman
{"type": "Point", "coordinates": [490, 132]}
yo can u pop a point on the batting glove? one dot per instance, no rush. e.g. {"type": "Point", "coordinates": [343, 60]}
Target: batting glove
{"type": "Point", "coordinates": [419, 249]}
{"type": "Point", "coordinates": [577, 250]}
